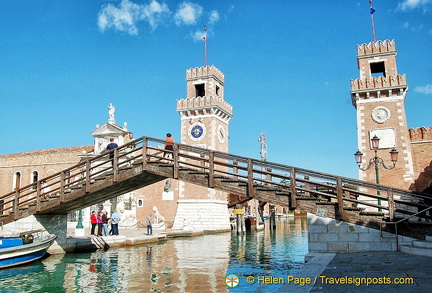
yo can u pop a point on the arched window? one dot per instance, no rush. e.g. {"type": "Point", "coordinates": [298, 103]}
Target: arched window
{"type": "Point", "coordinates": [140, 203]}
{"type": "Point", "coordinates": [35, 178]}
{"type": "Point", "coordinates": [17, 180]}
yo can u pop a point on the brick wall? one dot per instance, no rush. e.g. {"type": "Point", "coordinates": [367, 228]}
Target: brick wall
{"type": "Point", "coordinates": [421, 147]}
{"type": "Point", "coordinates": [45, 162]}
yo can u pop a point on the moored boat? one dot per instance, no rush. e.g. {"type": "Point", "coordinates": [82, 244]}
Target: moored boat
{"type": "Point", "coordinates": [23, 247]}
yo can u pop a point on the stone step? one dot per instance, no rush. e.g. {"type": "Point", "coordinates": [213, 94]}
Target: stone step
{"type": "Point", "coordinates": [422, 243]}
{"type": "Point", "coordinates": [428, 238]}
{"type": "Point", "coordinates": [410, 249]}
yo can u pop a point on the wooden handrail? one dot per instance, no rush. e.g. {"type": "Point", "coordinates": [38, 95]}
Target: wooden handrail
{"type": "Point", "coordinates": [343, 190]}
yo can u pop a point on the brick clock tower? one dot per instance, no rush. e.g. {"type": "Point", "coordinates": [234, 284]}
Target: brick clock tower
{"type": "Point", "coordinates": [205, 117]}
{"type": "Point", "coordinates": [378, 96]}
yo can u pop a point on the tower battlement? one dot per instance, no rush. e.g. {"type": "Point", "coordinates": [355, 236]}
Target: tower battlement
{"type": "Point", "coordinates": [204, 103]}
{"type": "Point", "coordinates": [378, 82]}
{"type": "Point", "coordinates": [199, 72]}
{"type": "Point", "coordinates": [385, 46]}
{"type": "Point", "coordinates": [420, 134]}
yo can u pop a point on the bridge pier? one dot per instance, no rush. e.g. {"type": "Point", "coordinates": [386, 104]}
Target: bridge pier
{"type": "Point", "coordinates": [329, 235]}
{"type": "Point", "coordinates": [53, 224]}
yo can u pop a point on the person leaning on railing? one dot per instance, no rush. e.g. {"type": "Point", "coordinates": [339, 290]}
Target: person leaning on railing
{"type": "Point", "coordinates": [111, 146]}
{"type": "Point", "coordinates": [169, 144]}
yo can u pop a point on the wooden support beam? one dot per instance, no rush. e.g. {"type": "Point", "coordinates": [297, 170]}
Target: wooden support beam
{"type": "Point", "coordinates": [16, 203]}
{"type": "Point", "coordinates": [87, 177]}
{"type": "Point", "coordinates": [38, 195]}
{"type": "Point", "coordinates": [176, 162]}
{"type": "Point", "coordinates": [144, 154]}
{"type": "Point", "coordinates": [340, 201]}
{"type": "Point", "coordinates": [293, 185]}
{"type": "Point", "coordinates": [115, 165]}
{"type": "Point", "coordinates": [250, 189]}
{"type": "Point", "coordinates": [391, 204]}
{"type": "Point", "coordinates": [62, 185]}
{"type": "Point", "coordinates": [211, 170]}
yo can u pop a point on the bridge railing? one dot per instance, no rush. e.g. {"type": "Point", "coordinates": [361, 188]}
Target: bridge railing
{"type": "Point", "coordinates": [255, 173]}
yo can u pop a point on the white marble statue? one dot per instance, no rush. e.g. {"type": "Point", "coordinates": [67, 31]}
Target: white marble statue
{"type": "Point", "coordinates": [111, 110]}
{"type": "Point", "coordinates": [158, 217]}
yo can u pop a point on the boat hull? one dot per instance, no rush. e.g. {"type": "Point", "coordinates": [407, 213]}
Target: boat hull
{"type": "Point", "coordinates": [18, 255]}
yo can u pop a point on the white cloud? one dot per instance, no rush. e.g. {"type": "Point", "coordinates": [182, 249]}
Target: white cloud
{"type": "Point", "coordinates": [427, 89]}
{"type": "Point", "coordinates": [412, 4]}
{"type": "Point", "coordinates": [126, 16]}
{"type": "Point", "coordinates": [188, 13]}
{"type": "Point", "coordinates": [213, 18]}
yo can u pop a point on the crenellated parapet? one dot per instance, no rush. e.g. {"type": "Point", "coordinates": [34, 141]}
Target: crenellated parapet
{"type": "Point", "coordinates": [204, 106]}
{"type": "Point", "coordinates": [204, 71]}
{"type": "Point", "coordinates": [385, 46]}
{"type": "Point", "coordinates": [378, 82]}
{"type": "Point", "coordinates": [420, 134]}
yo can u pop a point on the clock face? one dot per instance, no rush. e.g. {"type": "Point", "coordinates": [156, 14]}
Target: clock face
{"type": "Point", "coordinates": [196, 131]}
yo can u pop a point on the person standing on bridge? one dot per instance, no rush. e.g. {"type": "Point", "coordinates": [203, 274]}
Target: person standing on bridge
{"type": "Point", "coordinates": [111, 146]}
{"type": "Point", "coordinates": [169, 145]}
{"type": "Point", "coordinates": [115, 219]}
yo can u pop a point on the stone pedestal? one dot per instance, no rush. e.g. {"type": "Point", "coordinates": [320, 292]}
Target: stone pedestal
{"type": "Point", "coordinates": [204, 214]}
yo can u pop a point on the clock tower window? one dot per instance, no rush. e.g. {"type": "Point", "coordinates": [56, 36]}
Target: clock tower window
{"type": "Point", "coordinates": [200, 90]}
{"type": "Point", "coordinates": [377, 69]}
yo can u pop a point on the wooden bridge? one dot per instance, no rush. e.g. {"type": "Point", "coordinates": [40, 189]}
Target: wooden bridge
{"type": "Point", "coordinates": [142, 163]}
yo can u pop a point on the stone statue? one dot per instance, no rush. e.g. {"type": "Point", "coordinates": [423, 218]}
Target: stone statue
{"type": "Point", "coordinates": [111, 110]}
{"type": "Point", "coordinates": [157, 216]}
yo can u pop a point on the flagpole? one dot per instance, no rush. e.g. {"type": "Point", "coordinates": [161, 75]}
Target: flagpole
{"type": "Point", "coordinates": [372, 11]}
{"type": "Point", "coordinates": [205, 46]}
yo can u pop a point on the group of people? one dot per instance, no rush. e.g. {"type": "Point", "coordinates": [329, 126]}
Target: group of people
{"type": "Point", "coordinates": [102, 221]}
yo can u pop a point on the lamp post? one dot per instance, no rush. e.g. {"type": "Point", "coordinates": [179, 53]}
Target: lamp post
{"type": "Point", "coordinates": [376, 161]}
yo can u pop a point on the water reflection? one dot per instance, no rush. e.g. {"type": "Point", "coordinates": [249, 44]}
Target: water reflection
{"type": "Point", "coordinates": [275, 253]}
{"type": "Point", "coordinates": [197, 264]}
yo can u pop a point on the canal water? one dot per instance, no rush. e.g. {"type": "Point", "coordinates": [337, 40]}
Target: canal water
{"type": "Point", "coordinates": [224, 262]}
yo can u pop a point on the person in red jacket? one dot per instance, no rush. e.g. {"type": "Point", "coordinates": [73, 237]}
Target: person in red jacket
{"type": "Point", "coordinates": [93, 222]}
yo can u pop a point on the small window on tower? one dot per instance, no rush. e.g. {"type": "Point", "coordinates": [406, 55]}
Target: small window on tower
{"type": "Point", "coordinates": [377, 69]}
{"type": "Point", "coordinates": [199, 90]}
{"type": "Point", "coordinates": [217, 91]}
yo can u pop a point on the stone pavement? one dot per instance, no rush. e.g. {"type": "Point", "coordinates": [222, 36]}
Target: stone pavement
{"type": "Point", "coordinates": [364, 272]}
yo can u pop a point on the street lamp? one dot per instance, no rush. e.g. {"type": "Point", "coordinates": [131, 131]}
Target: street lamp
{"type": "Point", "coordinates": [376, 161]}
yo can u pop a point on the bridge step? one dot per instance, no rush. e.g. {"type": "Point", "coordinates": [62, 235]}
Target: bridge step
{"type": "Point", "coordinates": [197, 173]}
{"type": "Point", "coordinates": [354, 209]}
{"type": "Point", "coordinates": [306, 198]}
{"type": "Point", "coordinates": [419, 247]}
{"type": "Point", "coordinates": [326, 203]}
{"type": "Point", "coordinates": [368, 213]}
{"type": "Point", "coordinates": [283, 193]}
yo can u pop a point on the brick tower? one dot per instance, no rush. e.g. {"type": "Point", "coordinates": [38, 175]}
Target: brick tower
{"type": "Point", "coordinates": [205, 117]}
{"type": "Point", "coordinates": [378, 96]}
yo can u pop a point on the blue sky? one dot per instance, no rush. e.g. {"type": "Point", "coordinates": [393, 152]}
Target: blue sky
{"type": "Point", "coordinates": [287, 67]}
